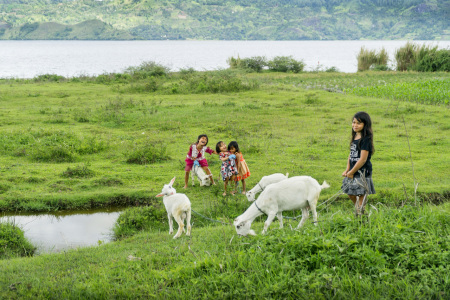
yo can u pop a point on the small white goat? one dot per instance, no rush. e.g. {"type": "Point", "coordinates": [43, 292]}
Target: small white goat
{"type": "Point", "coordinates": [263, 183]}
{"type": "Point", "coordinates": [177, 206]}
{"type": "Point", "coordinates": [201, 175]}
{"type": "Point", "coordinates": [299, 192]}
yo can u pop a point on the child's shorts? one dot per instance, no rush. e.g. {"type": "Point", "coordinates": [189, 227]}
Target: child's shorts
{"type": "Point", "coordinates": [190, 164]}
{"type": "Point", "coordinates": [355, 186]}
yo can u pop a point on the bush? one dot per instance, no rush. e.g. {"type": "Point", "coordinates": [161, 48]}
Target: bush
{"type": "Point", "coordinates": [432, 60]}
{"type": "Point", "coordinates": [78, 172]}
{"type": "Point", "coordinates": [13, 242]}
{"type": "Point", "coordinates": [148, 153]}
{"type": "Point", "coordinates": [234, 63]}
{"type": "Point", "coordinates": [137, 219]}
{"type": "Point", "coordinates": [223, 81]}
{"type": "Point", "coordinates": [422, 59]}
{"type": "Point", "coordinates": [147, 70]}
{"type": "Point", "coordinates": [370, 59]}
{"type": "Point", "coordinates": [48, 77]}
{"type": "Point", "coordinates": [405, 56]}
{"type": "Point", "coordinates": [285, 64]}
{"type": "Point", "coordinates": [57, 153]}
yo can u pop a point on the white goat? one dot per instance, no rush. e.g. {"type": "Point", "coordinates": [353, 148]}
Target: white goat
{"type": "Point", "coordinates": [201, 175]}
{"type": "Point", "coordinates": [263, 183]}
{"type": "Point", "coordinates": [177, 206]}
{"type": "Point", "coordinates": [299, 192]}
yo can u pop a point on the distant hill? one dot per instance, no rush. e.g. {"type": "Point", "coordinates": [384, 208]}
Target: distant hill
{"type": "Point", "coordinates": [225, 19]}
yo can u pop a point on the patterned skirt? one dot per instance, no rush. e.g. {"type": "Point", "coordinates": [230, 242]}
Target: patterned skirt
{"type": "Point", "coordinates": [357, 186]}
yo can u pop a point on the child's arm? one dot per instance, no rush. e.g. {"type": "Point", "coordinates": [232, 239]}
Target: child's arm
{"type": "Point", "coordinates": [361, 161]}
{"type": "Point", "coordinates": [238, 158]}
{"type": "Point", "coordinates": [344, 174]}
{"type": "Point", "coordinates": [210, 151]}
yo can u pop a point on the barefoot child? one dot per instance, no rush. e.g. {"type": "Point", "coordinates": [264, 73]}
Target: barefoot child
{"type": "Point", "coordinates": [243, 171]}
{"type": "Point", "coordinates": [196, 153]}
{"type": "Point", "coordinates": [359, 166]}
{"type": "Point", "coordinates": [228, 170]}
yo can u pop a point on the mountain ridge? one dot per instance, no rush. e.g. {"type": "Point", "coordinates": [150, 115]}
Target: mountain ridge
{"type": "Point", "coordinates": [226, 20]}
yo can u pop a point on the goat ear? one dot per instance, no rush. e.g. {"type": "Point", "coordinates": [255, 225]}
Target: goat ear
{"type": "Point", "coordinates": [159, 195]}
{"type": "Point", "coordinates": [172, 181]}
{"type": "Point", "coordinates": [252, 232]}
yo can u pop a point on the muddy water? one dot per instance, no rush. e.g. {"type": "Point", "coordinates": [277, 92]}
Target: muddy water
{"type": "Point", "coordinates": [57, 232]}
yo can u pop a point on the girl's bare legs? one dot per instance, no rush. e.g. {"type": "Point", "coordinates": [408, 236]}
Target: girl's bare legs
{"type": "Point", "coordinates": [208, 172]}
{"type": "Point", "coordinates": [360, 201]}
{"type": "Point", "coordinates": [186, 179]}
{"type": "Point", "coordinates": [243, 186]}
{"type": "Point", "coordinates": [225, 183]}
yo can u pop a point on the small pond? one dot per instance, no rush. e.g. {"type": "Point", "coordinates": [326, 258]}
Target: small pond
{"type": "Point", "coordinates": [56, 232]}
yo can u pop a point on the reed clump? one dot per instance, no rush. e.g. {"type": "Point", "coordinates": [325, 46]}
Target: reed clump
{"type": "Point", "coordinates": [413, 57]}
{"type": "Point", "coordinates": [371, 59]}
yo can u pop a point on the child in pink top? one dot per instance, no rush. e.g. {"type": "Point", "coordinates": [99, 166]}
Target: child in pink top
{"type": "Point", "coordinates": [196, 153]}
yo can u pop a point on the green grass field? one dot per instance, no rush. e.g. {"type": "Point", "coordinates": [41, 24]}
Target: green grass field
{"type": "Point", "coordinates": [84, 143]}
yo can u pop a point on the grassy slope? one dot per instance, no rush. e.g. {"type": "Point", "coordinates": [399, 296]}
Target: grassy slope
{"type": "Point", "coordinates": [282, 127]}
{"type": "Point", "coordinates": [397, 253]}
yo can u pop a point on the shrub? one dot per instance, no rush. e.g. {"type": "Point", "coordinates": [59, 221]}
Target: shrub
{"type": "Point", "coordinates": [332, 70]}
{"type": "Point", "coordinates": [432, 60]}
{"type": "Point", "coordinates": [370, 59]}
{"type": "Point", "coordinates": [13, 242]}
{"type": "Point", "coordinates": [78, 172]}
{"type": "Point", "coordinates": [285, 64]}
{"type": "Point", "coordinates": [56, 153]}
{"type": "Point", "coordinates": [405, 56]}
{"type": "Point", "coordinates": [422, 58]}
{"type": "Point", "coordinates": [137, 219]}
{"type": "Point", "coordinates": [234, 63]}
{"type": "Point", "coordinates": [147, 70]}
{"type": "Point", "coordinates": [255, 63]}
{"type": "Point", "coordinates": [48, 77]}
{"type": "Point", "coordinates": [215, 82]}
{"type": "Point", "coordinates": [147, 154]}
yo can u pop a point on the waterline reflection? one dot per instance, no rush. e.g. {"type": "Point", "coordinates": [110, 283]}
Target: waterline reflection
{"type": "Point", "coordinates": [56, 232]}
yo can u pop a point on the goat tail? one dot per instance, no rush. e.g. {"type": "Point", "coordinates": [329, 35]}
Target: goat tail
{"type": "Point", "coordinates": [324, 185]}
{"type": "Point", "coordinates": [287, 174]}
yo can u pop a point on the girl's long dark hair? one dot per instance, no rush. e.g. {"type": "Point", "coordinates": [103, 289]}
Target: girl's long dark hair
{"type": "Point", "coordinates": [235, 145]}
{"type": "Point", "coordinates": [218, 146]}
{"type": "Point", "coordinates": [364, 118]}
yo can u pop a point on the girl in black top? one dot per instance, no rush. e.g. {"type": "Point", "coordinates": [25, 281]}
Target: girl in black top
{"type": "Point", "coordinates": [359, 166]}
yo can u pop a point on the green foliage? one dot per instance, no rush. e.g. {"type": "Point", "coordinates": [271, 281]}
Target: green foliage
{"type": "Point", "coordinates": [285, 64]}
{"type": "Point", "coordinates": [371, 59]}
{"type": "Point", "coordinates": [255, 63]}
{"type": "Point", "coordinates": [147, 69]}
{"type": "Point", "coordinates": [147, 153]}
{"type": "Point", "coordinates": [78, 172]}
{"type": "Point", "coordinates": [432, 60]}
{"type": "Point", "coordinates": [406, 56]}
{"type": "Point", "coordinates": [422, 58]}
{"type": "Point", "coordinates": [433, 91]}
{"type": "Point", "coordinates": [48, 77]}
{"type": "Point", "coordinates": [225, 20]}
{"type": "Point", "coordinates": [13, 242]}
{"type": "Point", "coordinates": [143, 218]}
{"type": "Point", "coordinates": [289, 124]}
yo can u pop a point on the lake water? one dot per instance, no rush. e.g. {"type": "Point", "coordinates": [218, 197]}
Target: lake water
{"type": "Point", "coordinates": [65, 230]}
{"type": "Point", "coordinates": [26, 59]}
